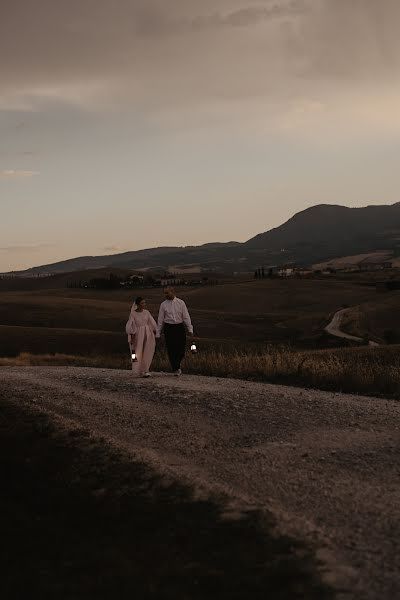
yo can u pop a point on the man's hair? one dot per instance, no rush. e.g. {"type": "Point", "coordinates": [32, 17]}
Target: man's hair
{"type": "Point", "coordinates": [170, 289]}
{"type": "Point", "coordinates": [138, 300]}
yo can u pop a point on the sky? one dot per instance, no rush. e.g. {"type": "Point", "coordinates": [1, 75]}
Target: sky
{"type": "Point", "coordinates": [130, 124]}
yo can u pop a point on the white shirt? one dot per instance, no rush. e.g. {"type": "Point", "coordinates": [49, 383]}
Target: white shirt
{"type": "Point", "coordinates": [173, 312]}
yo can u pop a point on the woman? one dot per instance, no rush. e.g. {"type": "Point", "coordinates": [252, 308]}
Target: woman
{"type": "Point", "coordinates": [141, 329]}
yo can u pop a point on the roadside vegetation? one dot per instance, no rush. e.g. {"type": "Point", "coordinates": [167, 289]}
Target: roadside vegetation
{"type": "Point", "coordinates": [86, 327]}
{"type": "Point", "coordinates": [368, 371]}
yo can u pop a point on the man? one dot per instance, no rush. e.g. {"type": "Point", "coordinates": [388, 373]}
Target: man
{"type": "Point", "coordinates": [172, 319]}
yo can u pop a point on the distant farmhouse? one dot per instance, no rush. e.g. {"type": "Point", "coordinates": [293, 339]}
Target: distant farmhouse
{"type": "Point", "coordinates": [170, 281]}
{"type": "Point", "coordinates": [286, 272]}
{"type": "Point", "coordinates": [295, 272]}
{"type": "Point", "coordinates": [289, 270]}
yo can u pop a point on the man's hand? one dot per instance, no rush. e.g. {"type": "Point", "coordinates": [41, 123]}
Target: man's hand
{"type": "Point", "coordinates": [190, 333]}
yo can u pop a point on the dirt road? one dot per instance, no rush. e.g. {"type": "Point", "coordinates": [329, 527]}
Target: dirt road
{"type": "Point", "coordinates": [334, 327]}
{"type": "Point", "coordinates": [327, 465]}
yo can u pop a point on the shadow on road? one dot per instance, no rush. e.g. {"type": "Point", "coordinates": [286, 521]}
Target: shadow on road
{"type": "Point", "coordinates": [79, 520]}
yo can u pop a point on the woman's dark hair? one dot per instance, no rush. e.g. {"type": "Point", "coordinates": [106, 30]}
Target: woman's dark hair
{"type": "Point", "coordinates": [138, 300]}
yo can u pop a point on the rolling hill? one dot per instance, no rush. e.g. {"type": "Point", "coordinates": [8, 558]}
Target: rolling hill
{"type": "Point", "coordinates": [318, 233]}
{"type": "Point", "coordinates": [330, 231]}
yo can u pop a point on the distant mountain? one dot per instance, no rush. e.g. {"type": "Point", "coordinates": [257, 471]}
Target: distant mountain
{"type": "Point", "coordinates": [328, 231]}
{"type": "Point", "coordinates": [313, 235]}
{"type": "Point", "coordinates": [163, 257]}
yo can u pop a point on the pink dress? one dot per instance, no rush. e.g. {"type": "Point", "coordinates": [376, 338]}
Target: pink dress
{"type": "Point", "coordinates": [141, 329]}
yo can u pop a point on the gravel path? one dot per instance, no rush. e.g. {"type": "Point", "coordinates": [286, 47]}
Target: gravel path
{"type": "Point", "coordinates": [327, 465]}
{"type": "Point", "coordinates": [333, 328]}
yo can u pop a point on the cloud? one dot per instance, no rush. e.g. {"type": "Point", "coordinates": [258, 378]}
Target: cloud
{"type": "Point", "coordinates": [113, 249]}
{"type": "Point", "coordinates": [248, 16]}
{"type": "Point", "coordinates": [17, 174]}
{"type": "Point", "coordinates": [152, 58]}
{"type": "Point", "coordinates": [343, 40]}
{"type": "Point", "coordinates": [148, 55]}
{"type": "Point", "coordinates": [26, 248]}
{"type": "Point", "coordinates": [18, 153]}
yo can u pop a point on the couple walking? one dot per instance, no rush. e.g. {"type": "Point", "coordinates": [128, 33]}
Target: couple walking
{"type": "Point", "coordinates": [142, 331]}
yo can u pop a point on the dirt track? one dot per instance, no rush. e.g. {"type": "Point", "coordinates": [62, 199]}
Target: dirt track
{"type": "Point", "coordinates": [334, 327]}
{"type": "Point", "coordinates": [326, 464]}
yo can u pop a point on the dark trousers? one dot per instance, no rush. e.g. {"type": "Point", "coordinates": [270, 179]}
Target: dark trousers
{"type": "Point", "coordinates": [175, 339]}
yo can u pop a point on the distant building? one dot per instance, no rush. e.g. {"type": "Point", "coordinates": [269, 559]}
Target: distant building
{"type": "Point", "coordinates": [286, 272]}
{"type": "Point", "coordinates": [170, 281]}
{"type": "Point", "coordinates": [136, 277]}
{"type": "Point", "coordinates": [304, 273]}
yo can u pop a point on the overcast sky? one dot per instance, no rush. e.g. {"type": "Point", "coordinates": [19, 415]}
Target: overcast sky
{"type": "Point", "coordinates": [137, 123]}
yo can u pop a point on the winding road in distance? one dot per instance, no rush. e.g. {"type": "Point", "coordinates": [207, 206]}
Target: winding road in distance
{"type": "Point", "coordinates": [333, 328]}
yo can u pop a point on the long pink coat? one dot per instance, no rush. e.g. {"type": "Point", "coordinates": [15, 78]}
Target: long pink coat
{"type": "Point", "coordinates": [141, 329]}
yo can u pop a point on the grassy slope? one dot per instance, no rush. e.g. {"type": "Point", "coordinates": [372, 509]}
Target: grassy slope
{"type": "Point", "coordinates": [39, 340]}
{"type": "Point", "coordinates": [376, 318]}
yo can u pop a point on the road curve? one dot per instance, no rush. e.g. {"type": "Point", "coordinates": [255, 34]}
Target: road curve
{"type": "Point", "coordinates": [326, 464]}
{"type": "Point", "coordinates": [333, 328]}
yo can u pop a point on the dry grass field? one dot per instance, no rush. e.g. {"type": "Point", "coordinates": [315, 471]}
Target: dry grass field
{"type": "Point", "coordinates": [378, 319]}
{"type": "Point", "coordinates": [367, 371]}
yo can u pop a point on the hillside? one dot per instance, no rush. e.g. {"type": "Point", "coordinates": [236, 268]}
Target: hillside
{"type": "Point", "coordinates": [328, 231]}
{"type": "Point", "coordinates": [212, 255]}
{"type": "Point", "coordinates": [316, 234]}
